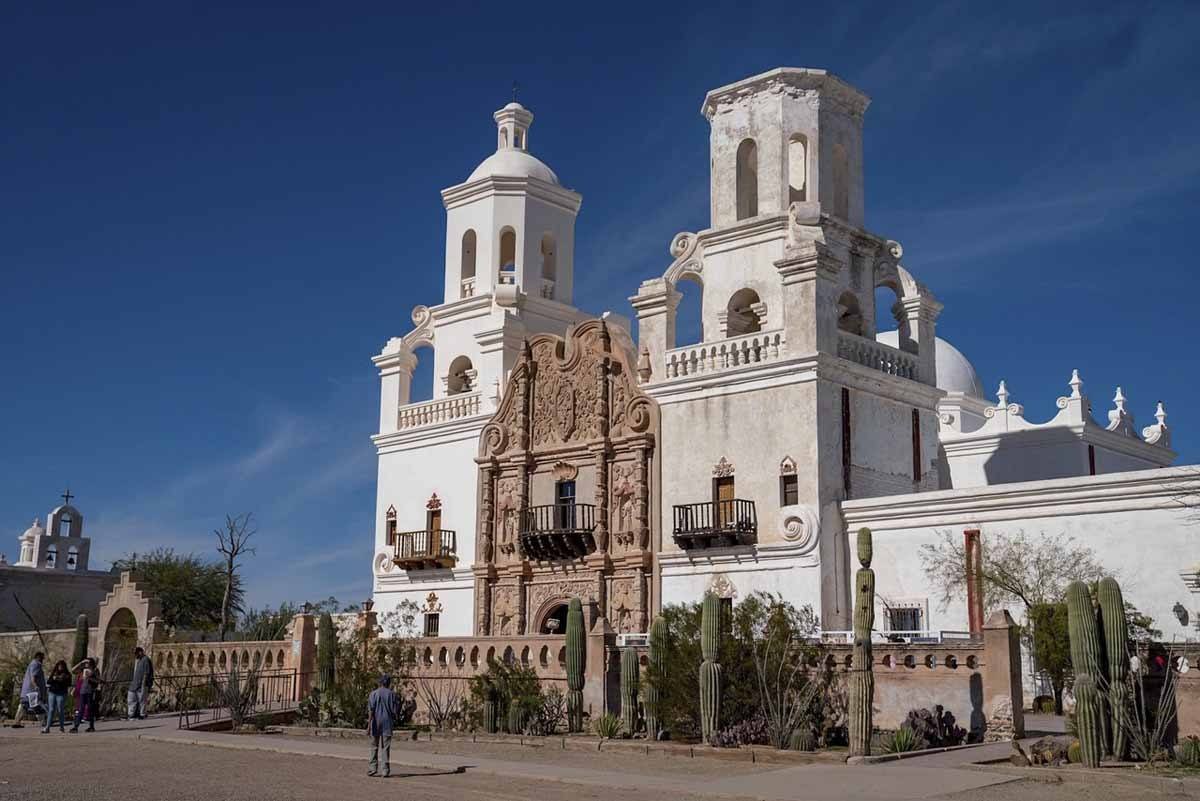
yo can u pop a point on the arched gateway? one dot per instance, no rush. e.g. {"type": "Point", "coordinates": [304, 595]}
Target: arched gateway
{"type": "Point", "coordinates": [569, 488]}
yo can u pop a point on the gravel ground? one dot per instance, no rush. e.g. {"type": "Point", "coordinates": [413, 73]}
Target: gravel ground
{"type": "Point", "coordinates": [600, 760]}
{"type": "Point", "coordinates": [99, 769]}
{"type": "Point", "coordinates": [1033, 790]}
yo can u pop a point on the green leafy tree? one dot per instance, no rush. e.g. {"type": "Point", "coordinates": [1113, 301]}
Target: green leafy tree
{"type": "Point", "coordinates": [1052, 646]}
{"type": "Point", "coordinates": [266, 623]}
{"type": "Point", "coordinates": [191, 589]}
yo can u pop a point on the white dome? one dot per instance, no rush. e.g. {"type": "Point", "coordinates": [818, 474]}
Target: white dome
{"type": "Point", "coordinates": [513, 163]}
{"type": "Point", "coordinates": [33, 531]}
{"type": "Point", "coordinates": [954, 372]}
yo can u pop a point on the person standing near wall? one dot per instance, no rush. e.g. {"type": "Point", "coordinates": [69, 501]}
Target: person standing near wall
{"type": "Point", "coordinates": [57, 686]}
{"type": "Point", "coordinates": [33, 690]}
{"type": "Point", "coordinates": [382, 709]}
{"type": "Point", "coordinates": [87, 693]}
{"type": "Point", "coordinates": [139, 685]}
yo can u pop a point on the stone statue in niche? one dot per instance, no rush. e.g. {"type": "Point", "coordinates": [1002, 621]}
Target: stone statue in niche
{"type": "Point", "coordinates": [508, 505]}
{"type": "Point", "coordinates": [504, 612]}
{"type": "Point", "coordinates": [625, 607]}
{"type": "Point", "coordinates": [624, 495]}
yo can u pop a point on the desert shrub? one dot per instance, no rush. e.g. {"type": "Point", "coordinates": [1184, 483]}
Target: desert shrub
{"type": "Point", "coordinates": [936, 729]}
{"type": "Point", "coordinates": [750, 731]}
{"type": "Point", "coordinates": [238, 695]}
{"type": "Point", "coordinates": [552, 713]}
{"type": "Point", "coordinates": [756, 622]}
{"type": "Point", "coordinates": [607, 725]}
{"type": "Point", "coordinates": [902, 740]}
{"type": "Point", "coordinates": [516, 691]}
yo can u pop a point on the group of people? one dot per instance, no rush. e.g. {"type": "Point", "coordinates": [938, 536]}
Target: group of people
{"type": "Point", "coordinates": [47, 696]}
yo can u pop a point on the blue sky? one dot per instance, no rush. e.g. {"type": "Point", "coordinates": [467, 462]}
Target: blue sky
{"type": "Point", "coordinates": [211, 217]}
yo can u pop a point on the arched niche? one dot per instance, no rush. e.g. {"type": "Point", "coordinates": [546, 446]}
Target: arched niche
{"type": "Point", "coordinates": [746, 180]}
{"type": "Point", "coordinates": [743, 313]}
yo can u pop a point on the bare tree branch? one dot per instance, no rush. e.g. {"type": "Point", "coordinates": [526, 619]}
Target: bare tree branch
{"type": "Point", "coordinates": [232, 543]}
{"type": "Point", "coordinates": [32, 622]}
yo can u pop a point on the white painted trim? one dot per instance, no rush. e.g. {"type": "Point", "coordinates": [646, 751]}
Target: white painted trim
{"type": "Point", "coordinates": [1130, 491]}
{"type": "Point", "coordinates": [739, 560]}
{"type": "Point", "coordinates": [464, 428]}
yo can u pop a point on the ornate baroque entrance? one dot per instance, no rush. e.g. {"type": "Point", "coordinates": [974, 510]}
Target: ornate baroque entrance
{"type": "Point", "coordinates": [569, 488]}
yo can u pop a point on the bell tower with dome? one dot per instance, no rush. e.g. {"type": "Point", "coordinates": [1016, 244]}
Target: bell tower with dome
{"type": "Point", "coordinates": [510, 227]}
{"type": "Point", "coordinates": [509, 269]}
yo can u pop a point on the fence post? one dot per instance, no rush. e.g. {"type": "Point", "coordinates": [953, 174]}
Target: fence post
{"type": "Point", "coordinates": [1003, 697]}
{"type": "Point", "coordinates": [304, 652]}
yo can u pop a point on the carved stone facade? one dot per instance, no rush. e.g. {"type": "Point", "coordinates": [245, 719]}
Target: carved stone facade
{"type": "Point", "coordinates": [568, 458]}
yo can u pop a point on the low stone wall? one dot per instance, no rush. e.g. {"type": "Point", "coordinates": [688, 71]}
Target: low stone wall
{"type": "Point", "coordinates": [916, 676]}
{"type": "Point", "coordinates": [59, 644]}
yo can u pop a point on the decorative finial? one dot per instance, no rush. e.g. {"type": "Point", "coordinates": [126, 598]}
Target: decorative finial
{"type": "Point", "coordinates": [67, 496]}
{"type": "Point", "coordinates": [1161, 414]}
{"type": "Point", "coordinates": [1076, 384]}
{"type": "Point", "coordinates": [515, 87]}
{"type": "Point", "coordinates": [644, 369]}
{"type": "Point", "coordinates": [1002, 395]}
{"type": "Point", "coordinates": [1119, 400]}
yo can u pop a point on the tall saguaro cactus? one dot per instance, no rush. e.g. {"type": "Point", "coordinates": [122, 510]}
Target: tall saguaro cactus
{"type": "Point", "coordinates": [630, 670]}
{"type": "Point", "coordinates": [575, 660]}
{"type": "Point", "coordinates": [81, 640]}
{"type": "Point", "coordinates": [710, 668]}
{"type": "Point", "coordinates": [326, 652]}
{"type": "Point", "coordinates": [1116, 651]}
{"type": "Point", "coordinates": [1085, 660]}
{"type": "Point", "coordinates": [658, 673]}
{"type": "Point", "coordinates": [862, 676]}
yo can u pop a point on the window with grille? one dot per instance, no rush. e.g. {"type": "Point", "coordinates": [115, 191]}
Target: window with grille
{"type": "Point", "coordinates": [904, 619]}
{"type": "Point", "coordinates": [432, 621]}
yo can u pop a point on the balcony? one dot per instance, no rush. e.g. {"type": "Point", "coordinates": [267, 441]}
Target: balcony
{"type": "Point", "coordinates": [440, 410]}
{"type": "Point", "coordinates": [557, 531]}
{"type": "Point", "coordinates": [877, 356]}
{"type": "Point", "coordinates": [715, 524]}
{"type": "Point", "coordinates": [418, 550]}
{"type": "Point", "coordinates": [725, 354]}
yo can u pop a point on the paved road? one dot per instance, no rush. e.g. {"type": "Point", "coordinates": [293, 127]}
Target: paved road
{"type": "Point", "coordinates": [153, 760]}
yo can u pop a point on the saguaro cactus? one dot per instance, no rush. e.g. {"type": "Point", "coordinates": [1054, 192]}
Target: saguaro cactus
{"type": "Point", "coordinates": [658, 673]}
{"type": "Point", "coordinates": [1089, 707]}
{"type": "Point", "coordinates": [326, 652]}
{"type": "Point", "coordinates": [630, 674]}
{"type": "Point", "coordinates": [862, 676]}
{"type": "Point", "coordinates": [81, 640]}
{"type": "Point", "coordinates": [710, 669]}
{"type": "Point", "coordinates": [1085, 659]}
{"type": "Point", "coordinates": [1116, 652]}
{"type": "Point", "coordinates": [575, 660]}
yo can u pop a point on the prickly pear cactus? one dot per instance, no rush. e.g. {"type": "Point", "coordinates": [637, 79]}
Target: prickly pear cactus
{"type": "Point", "coordinates": [862, 676]}
{"type": "Point", "coordinates": [575, 663]}
{"type": "Point", "coordinates": [710, 669]}
{"type": "Point", "coordinates": [1116, 652]}
{"type": "Point", "coordinates": [630, 673]}
{"type": "Point", "coordinates": [658, 672]}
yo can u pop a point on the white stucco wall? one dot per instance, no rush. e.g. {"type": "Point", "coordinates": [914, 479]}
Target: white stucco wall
{"type": "Point", "coordinates": [1133, 521]}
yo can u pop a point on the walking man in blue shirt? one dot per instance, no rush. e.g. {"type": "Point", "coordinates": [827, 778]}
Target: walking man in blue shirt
{"type": "Point", "coordinates": [382, 712]}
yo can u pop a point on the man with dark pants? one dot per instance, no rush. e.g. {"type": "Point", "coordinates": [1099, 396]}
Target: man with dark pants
{"type": "Point", "coordinates": [382, 708]}
{"type": "Point", "coordinates": [140, 685]}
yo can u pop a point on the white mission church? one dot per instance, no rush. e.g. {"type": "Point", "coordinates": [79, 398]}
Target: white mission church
{"type": "Point", "coordinates": [558, 458]}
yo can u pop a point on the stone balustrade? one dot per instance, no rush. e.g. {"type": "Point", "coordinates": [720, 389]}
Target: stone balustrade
{"type": "Point", "coordinates": [463, 657]}
{"type": "Point", "coordinates": [877, 356]}
{"type": "Point", "coordinates": [468, 287]}
{"type": "Point", "coordinates": [201, 657]}
{"type": "Point", "coordinates": [440, 410]}
{"type": "Point", "coordinates": [725, 354]}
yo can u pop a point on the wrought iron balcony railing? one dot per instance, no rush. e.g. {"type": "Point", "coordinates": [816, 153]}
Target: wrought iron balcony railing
{"type": "Point", "coordinates": [416, 550]}
{"type": "Point", "coordinates": [715, 524]}
{"type": "Point", "coordinates": [557, 531]}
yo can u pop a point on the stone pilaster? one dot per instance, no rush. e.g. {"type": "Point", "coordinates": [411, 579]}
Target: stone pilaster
{"type": "Point", "coordinates": [655, 304]}
{"type": "Point", "coordinates": [921, 313]}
